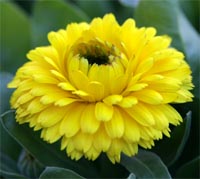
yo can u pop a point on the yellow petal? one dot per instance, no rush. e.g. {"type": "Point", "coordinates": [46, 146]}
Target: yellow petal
{"type": "Point", "coordinates": [161, 121]}
{"type": "Point", "coordinates": [72, 65]}
{"type": "Point", "coordinates": [146, 144]}
{"type": "Point", "coordinates": [92, 153]}
{"type": "Point", "coordinates": [103, 112]}
{"type": "Point", "coordinates": [14, 83]}
{"type": "Point", "coordinates": [83, 141]}
{"type": "Point", "coordinates": [33, 120]}
{"type": "Point", "coordinates": [36, 106]}
{"type": "Point", "coordinates": [88, 121]}
{"type": "Point", "coordinates": [53, 63]}
{"type": "Point", "coordinates": [65, 101]}
{"type": "Point", "coordinates": [64, 142]}
{"type": "Point", "coordinates": [75, 155]}
{"type": "Point", "coordinates": [70, 145]}
{"type": "Point", "coordinates": [128, 24]}
{"type": "Point", "coordinates": [106, 75]}
{"type": "Point", "coordinates": [172, 115]}
{"type": "Point", "coordinates": [74, 31]}
{"type": "Point", "coordinates": [145, 66]}
{"type": "Point", "coordinates": [21, 113]}
{"type": "Point", "coordinates": [115, 127]}
{"type": "Point", "coordinates": [183, 96]}
{"type": "Point", "coordinates": [58, 75]}
{"type": "Point", "coordinates": [67, 86]}
{"type": "Point", "coordinates": [115, 150]}
{"type": "Point", "coordinates": [47, 120]}
{"type": "Point", "coordinates": [70, 125]}
{"type": "Point", "coordinates": [53, 96]}
{"type": "Point", "coordinates": [141, 114]}
{"type": "Point", "coordinates": [149, 96]}
{"type": "Point", "coordinates": [45, 78]}
{"type": "Point", "coordinates": [136, 87]}
{"type": "Point", "coordinates": [165, 85]}
{"type": "Point", "coordinates": [117, 88]}
{"type": "Point", "coordinates": [118, 67]}
{"type": "Point", "coordinates": [168, 97]}
{"type": "Point", "coordinates": [96, 89]}
{"type": "Point", "coordinates": [113, 99]}
{"type": "Point", "coordinates": [93, 73]}
{"type": "Point", "coordinates": [57, 40]}
{"type": "Point", "coordinates": [24, 98]}
{"type": "Point", "coordinates": [128, 102]}
{"type": "Point", "coordinates": [103, 74]}
{"type": "Point", "coordinates": [80, 80]}
{"type": "Point", "coordinates": [166, 132]}
{"type": "Point", "coordinates": [166, 64]}
{"type": "Point", "coordinates": [52, 133]}
{"type": "Point", "coordinates": [102, 140]}
{"type": "Point", "coordinates": [131, 130]}
{"type": "Point", "coordinates": [130, 149]}
{"type": "Point", "coordinates": [84, 66]}
{"type": "Point", "coordinates": [153, 77]}
{"type": "Point", "coordinates": [80, 93]}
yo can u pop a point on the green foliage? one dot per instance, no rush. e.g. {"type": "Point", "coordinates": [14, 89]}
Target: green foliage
{"type": "Point", "coordinates": [14, 40]}
{"type": "Point", "coordinates": [145, 165]}
{"type": "Point", "coordinates": [28, 165]}
{"type": "Point", "coordinates": [168, 19]}
{"type": "Point", "coordinates": [190, 169]}
{"type": "Point", "coordinates": [191, 10]}
{"type": "Point", "coordinates": [5, 94]}
{"type": "Point", "coordinates": [51, 16]}
{"type": "Point", "coordinates": [178, 139]}
{"type": "Point", "coordinates": [24, 154]}
{"type": "Point", "coordinates": [47, 154]}
{"type": "Point", "coordinates": [56, 172]}
{"type": "Point", "coordinates": [8, 167]}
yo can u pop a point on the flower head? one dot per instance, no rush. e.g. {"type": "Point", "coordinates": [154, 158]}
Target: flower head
{"type": "Point", "coordinates": [102, 87]}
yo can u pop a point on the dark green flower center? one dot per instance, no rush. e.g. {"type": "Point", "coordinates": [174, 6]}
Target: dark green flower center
{"type": "Point", "coordinates": [95, 52]}
{"type": "Point", "coordinates": [97, 59]}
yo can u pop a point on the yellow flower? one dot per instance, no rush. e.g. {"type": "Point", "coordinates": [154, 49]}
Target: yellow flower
{"type": "Point", "coordinates": [102, 87]}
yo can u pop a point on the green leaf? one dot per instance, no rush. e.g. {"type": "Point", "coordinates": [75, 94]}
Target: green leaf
{"type": "Point", "coordinates": [106, 169]}
{"type": "Point", "coordinates": [5, 92]}
{"type": "Point", "coordinates": [129, 3]}
{"type": "Point", "coordinates": [191, 42]}
{"type": "Point", "coordinates": [29, 166]}
{"type": "Point", "coordinates": [167, 18]}
{"type": "Point", "coordinates": [8, 144]}
{"type": "Point", "coordinates": [190, 169]}
{"type": "Point", "coordinates": [191, 10]}
{"type": "Point", "coordinates": [10, 175]}
{"type": "Point", "coordinates": [14, 36]}
{"type": "Point", "coordinates": [8, 164]}
{"type": "Point", "coordinates": [88, 6]}
{"type": "Point", "coordinates": [121, 12]}
{"type": "Point", "coordinates": [145, 165]}
{"type": "Point", "coordinates": [8, 167]}
{"type": "Point", "coordinates": [170, 149]}
{"type": "Point", "coordinates": [131, 176]}
{"type": "Point", "coordinates": [163, 15]}
{"type": "Point", "coordinates": [51, 16]}
{"type": "Point", "coordinates": [56, 172]}
{"type": "Point", "coordinates": [47, 154]}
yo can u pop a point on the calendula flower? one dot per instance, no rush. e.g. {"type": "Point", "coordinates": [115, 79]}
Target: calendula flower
{"type": "Point", "coordinates": [102, 87]}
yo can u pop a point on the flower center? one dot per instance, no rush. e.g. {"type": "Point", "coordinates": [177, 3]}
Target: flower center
{"type": "Point", "coordinates": [99, 59]}
{"type": "Point", "coordinates": [96, 52]}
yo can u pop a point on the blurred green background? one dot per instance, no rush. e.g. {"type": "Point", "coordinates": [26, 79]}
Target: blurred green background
{"type": "Point", "coordinates": [25, 24]}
